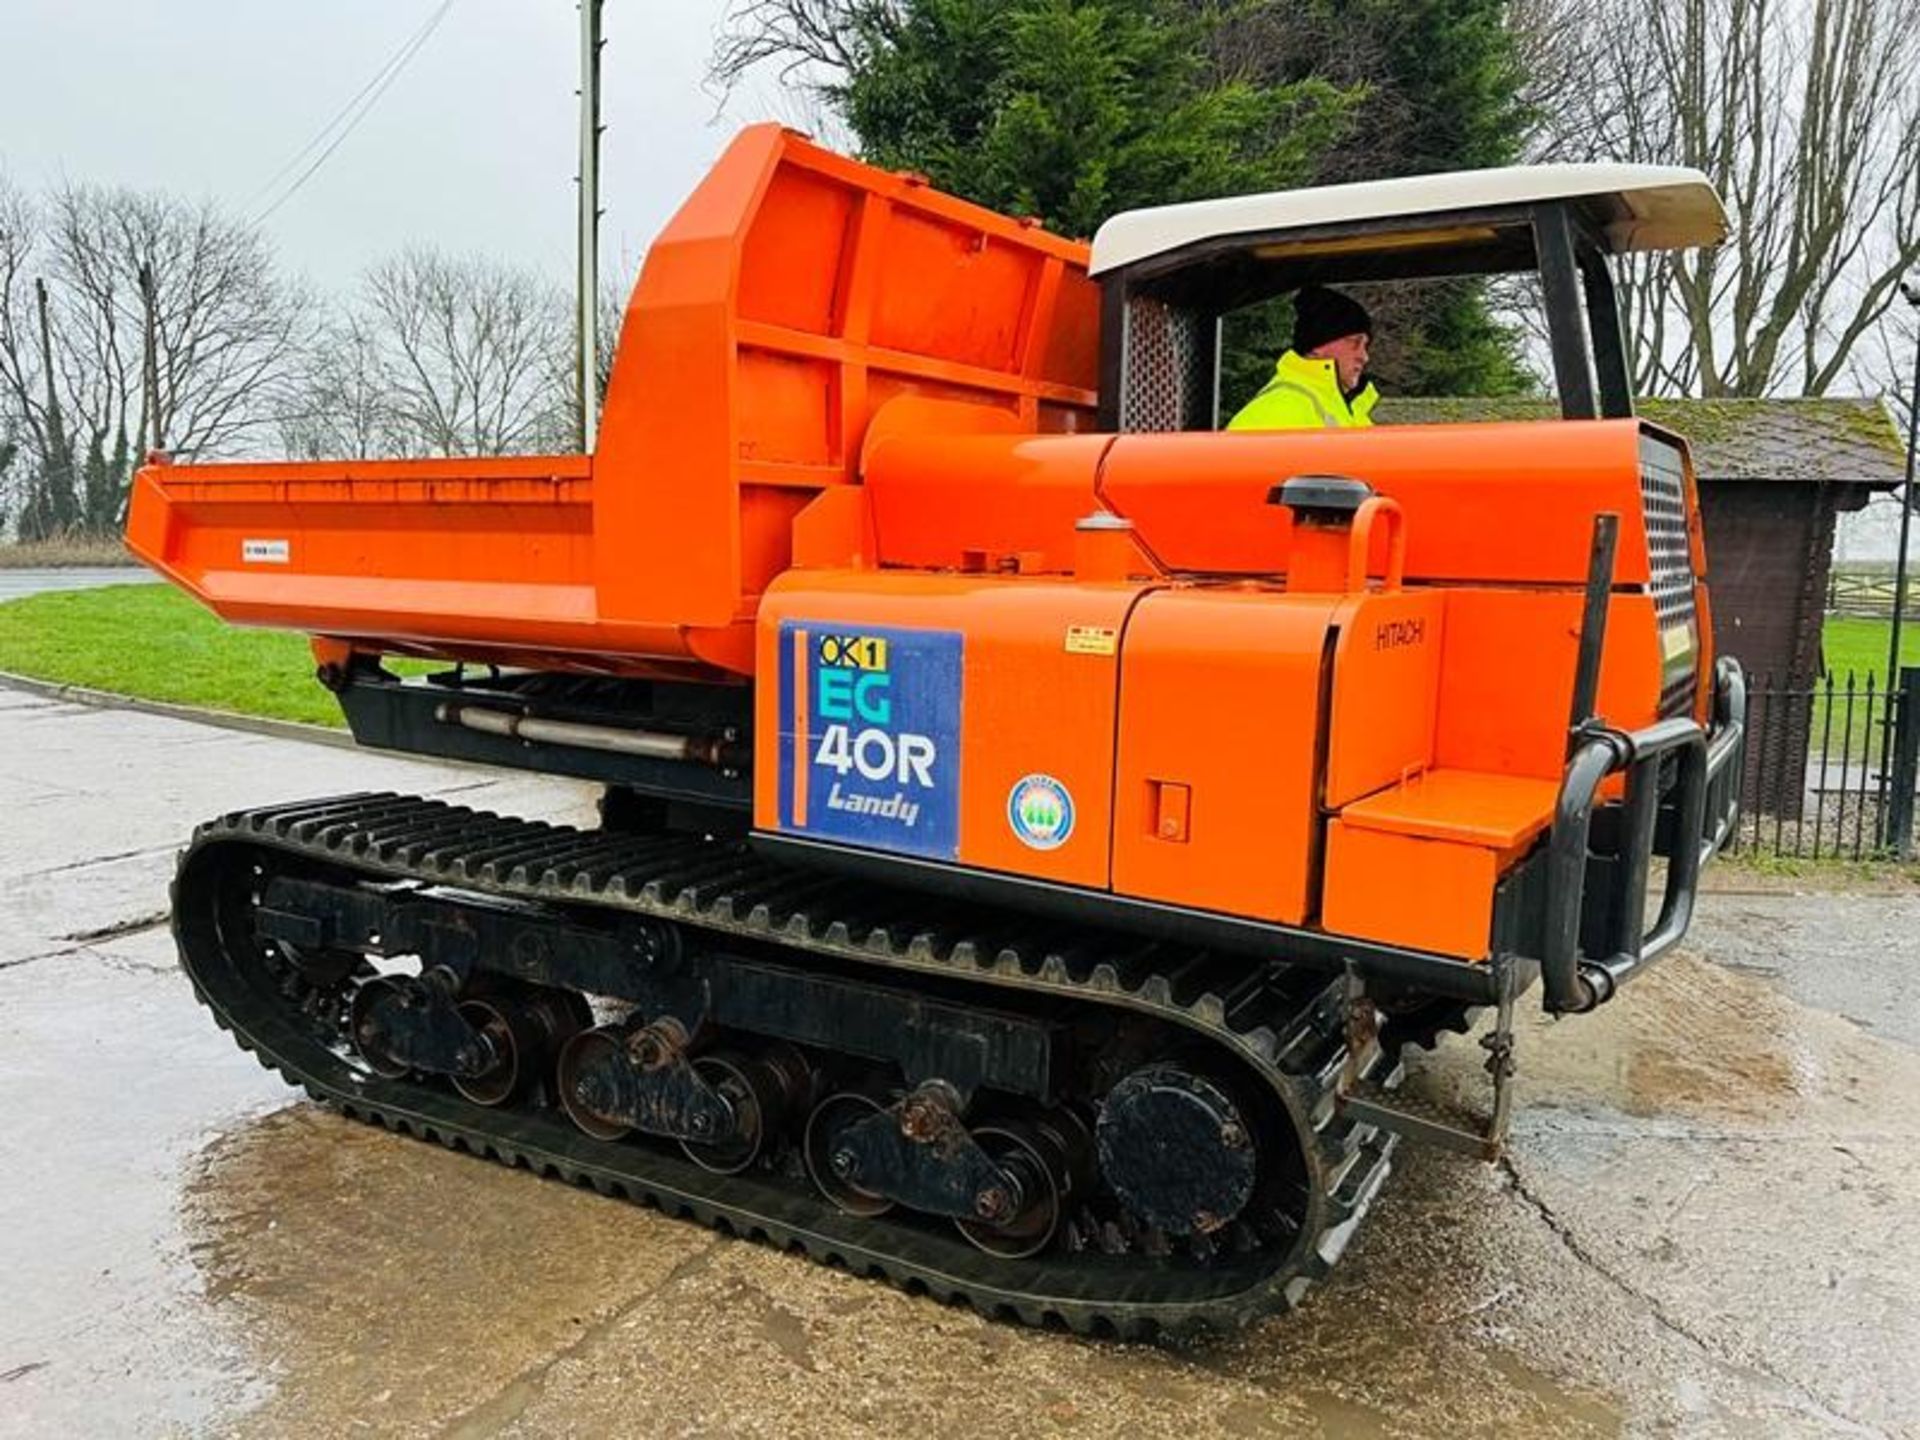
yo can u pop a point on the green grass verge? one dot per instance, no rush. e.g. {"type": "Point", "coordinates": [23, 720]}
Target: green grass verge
{"type": "Point", "coordinates": [1857, 648]}
{"type": "Point", "coordinates": [1870, 872]}
{"type": "Point", "coordinates": [1860, 646]}
{"type": "Point", "coordinates": [153, 642]}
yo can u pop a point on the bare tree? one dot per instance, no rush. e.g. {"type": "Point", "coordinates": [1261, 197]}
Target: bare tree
{"type": "Point", "coordinates": [610, 303]}
{"type": "Point", "coordinates": [1805, 115]}
{"type": "Point", "coordinates": [438, 355]}
{"type": "Point", "coordinates": [1887, 365]}
{"type": "Point", "coordinates": [466, 346]}
{"type": "Point", "coordinates": [73, 322]}
{"type": "Point", "coordinates": [1554, 41]}
{"type": "Point", "coordinates": [40, 493]}
{"type": "Point", "coordinates": [336, 405]}
{"type": "Point", "coordinates": [811, 43]}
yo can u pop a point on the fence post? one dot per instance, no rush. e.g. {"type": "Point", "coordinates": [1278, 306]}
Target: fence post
{"type": "Point", "coordinates": [1906, 763]}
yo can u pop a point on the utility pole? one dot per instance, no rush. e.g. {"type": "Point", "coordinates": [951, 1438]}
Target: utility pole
{"type": "Point", "coordinates": [58, 510]}
{"type": "Point", "coordinates": [589, 277]}
{"type": "Point", "coordinates": [1910, 289]}
{"type": "Point", "coordinates": [1896, 808]}
{"type": "Point", "coordinates": [149, 361]}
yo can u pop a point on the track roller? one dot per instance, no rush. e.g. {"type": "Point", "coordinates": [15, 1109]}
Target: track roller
{"type": "Point", "coordinates": [364, 1024]}
{"type": "Point", "coordinates": [404, 1023]}
{"type": "Point", "coordinates": [522, 1035]}
{"type": "Point", "coordinates": [763, 1090]}
{"type": "Point", "coordinates": [831, 1162]}
{"type": "Point", "coordinates": [1046, 1164]}
{"type": "Point", "coordinates": [586, 1094]}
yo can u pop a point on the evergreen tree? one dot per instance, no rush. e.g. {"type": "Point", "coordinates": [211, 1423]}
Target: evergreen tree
{"type": "Point", "coordinates": [103, 483]}
{"type": "Point", "coordinates": [1447, 81]}
{"type": "Point", "coordinates": [1071, 110]}
{"type": "Point", "coordinates": [1444, 95]}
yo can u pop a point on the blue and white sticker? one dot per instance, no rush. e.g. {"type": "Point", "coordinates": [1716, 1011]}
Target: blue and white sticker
{"type": "Point", "coordinates": [1040, 810]}
{"type": "Point", "coordinates": [870, 735]}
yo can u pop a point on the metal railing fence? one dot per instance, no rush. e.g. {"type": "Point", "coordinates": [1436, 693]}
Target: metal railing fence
{"type": "Point", "coordinates": [1831, 768]}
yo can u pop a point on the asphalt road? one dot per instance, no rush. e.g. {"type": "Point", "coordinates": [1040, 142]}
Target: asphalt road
{"type": "Point", "coordinates": [1705, 1226]}
{"type": "Point", "coordinates": [16, 583]}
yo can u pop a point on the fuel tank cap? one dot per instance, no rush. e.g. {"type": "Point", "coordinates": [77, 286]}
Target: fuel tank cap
{"type": "Point", "coordinates": [1321, 499]}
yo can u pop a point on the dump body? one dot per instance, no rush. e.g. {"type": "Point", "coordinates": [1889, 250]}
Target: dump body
{"type": "Point", "coordinates": [792, 296]}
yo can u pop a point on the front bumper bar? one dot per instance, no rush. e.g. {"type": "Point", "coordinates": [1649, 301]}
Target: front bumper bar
{"type": "Point", "coordinates": [1673, 768]}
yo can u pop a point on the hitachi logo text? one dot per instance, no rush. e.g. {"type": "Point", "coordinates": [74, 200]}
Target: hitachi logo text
{"type": "Point", "coordinates": [1392, 634]}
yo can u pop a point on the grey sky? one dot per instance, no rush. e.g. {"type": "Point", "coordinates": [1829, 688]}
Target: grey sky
{"type": "Point", "coordinates": [473, 147]}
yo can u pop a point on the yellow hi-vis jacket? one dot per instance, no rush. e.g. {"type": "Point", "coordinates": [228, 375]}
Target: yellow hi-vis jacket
{"type": "Point", "coordinates": [1304, 394]}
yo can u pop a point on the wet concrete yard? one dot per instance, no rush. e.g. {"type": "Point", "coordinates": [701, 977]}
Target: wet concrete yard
{"type": "Point", "coordinates": [1707, 1224]}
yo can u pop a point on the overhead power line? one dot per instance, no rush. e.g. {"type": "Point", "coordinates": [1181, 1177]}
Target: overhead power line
{"type": "Point", "coordinates": [320, 136]}
{"type": "Point", "coordinates": [333, 134]}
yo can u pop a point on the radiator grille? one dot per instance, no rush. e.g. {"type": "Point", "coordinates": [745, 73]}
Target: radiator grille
{"type": "Point", "coordinates": [1167, 368]}
{"type": "Point", "coordinates": [1663, 503]}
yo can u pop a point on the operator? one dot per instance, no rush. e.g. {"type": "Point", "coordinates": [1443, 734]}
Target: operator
{"type": "Point", "coordinates": [1322, 381]}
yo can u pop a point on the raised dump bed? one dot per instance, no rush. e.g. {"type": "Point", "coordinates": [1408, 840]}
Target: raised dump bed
{"type": "Point", "coordinates": [794, 294]}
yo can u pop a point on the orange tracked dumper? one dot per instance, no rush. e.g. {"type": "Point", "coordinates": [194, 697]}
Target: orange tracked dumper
{"type": "Point", "coordinates": [1034, 823]}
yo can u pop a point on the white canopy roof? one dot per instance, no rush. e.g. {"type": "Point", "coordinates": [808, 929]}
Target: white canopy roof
{"type": "Point", "coordinates": [1639, 207]}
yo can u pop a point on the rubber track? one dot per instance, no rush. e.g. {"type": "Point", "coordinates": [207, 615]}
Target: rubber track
{"type": "Point", "coordinates": [725, 888]}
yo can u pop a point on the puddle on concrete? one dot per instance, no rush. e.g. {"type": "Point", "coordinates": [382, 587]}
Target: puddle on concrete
{"type": "Point", "coordinates": [363, 1282]}
{"type": "Point", "coordinates": [1425, 1328]}
{"type": "Point", "coordinates": [698, 1356]}
{"type": "Point", "coordinates": [390, 1285]}
{"type": "Point", "coordinates": [103, 1331]}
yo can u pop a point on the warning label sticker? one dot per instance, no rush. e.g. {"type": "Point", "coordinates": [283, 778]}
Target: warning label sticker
{"type": "Point", "coordinates": [1092, 640]}
{"type": "Point", "coordinates": [870, 736]}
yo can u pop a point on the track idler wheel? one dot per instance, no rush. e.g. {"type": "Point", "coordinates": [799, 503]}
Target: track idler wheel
{"type": "Point", "coordinates": [1177, 1150]}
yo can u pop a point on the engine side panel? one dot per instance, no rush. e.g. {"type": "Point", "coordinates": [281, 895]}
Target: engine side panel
{"type": "Point", "coordinates": [967, 719]}
{"type": "Point", "coordinates": [1219, 724]}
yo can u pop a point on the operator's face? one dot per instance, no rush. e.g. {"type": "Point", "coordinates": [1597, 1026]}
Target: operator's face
{"type": "Point", "coordinates": [1349, 356]}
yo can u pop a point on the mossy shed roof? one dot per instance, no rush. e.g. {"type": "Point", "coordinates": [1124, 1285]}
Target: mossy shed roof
{"type": "Point", "coordinates": [1842, 441]}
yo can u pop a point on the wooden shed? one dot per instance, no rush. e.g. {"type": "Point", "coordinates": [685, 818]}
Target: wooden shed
{"type": "Point", "coordinates": [1774, 474]}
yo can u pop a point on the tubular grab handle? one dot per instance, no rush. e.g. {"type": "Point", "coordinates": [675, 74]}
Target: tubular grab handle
{"type": "Point", "coordinates": [1706, 768]}
{"type": "Point", "coordinates": [1377, 509]}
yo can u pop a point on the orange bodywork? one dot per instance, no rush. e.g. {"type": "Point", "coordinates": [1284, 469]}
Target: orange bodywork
{"type": "Point", "coordinates": [847, 458]}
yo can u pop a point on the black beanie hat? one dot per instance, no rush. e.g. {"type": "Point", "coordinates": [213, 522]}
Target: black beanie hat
{"type": "Point", "coordinates": [1320, 315]}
